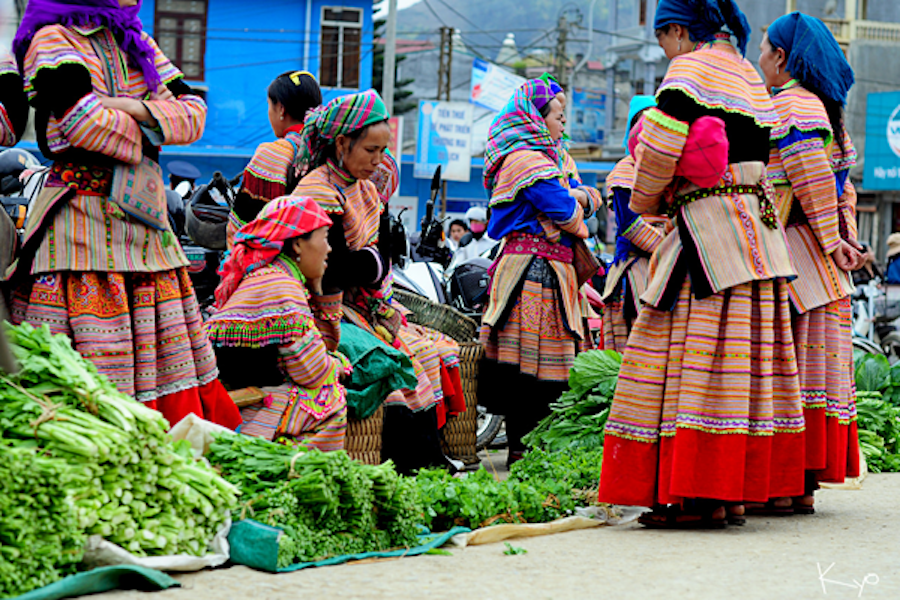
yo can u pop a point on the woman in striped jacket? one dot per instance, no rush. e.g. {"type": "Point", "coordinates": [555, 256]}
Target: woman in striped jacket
{"type": "Point", "coordinates": [265, 331]}
{"type": "Point", "coordinates": [96, 265]}
{"type": "Point", "coordinates": [810, 162]}
{"type": "Point", "coordinates": [706, 413]}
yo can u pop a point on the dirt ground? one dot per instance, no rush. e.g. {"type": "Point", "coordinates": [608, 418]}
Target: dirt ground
{"type": "Point", "coordinates": [851, 538]}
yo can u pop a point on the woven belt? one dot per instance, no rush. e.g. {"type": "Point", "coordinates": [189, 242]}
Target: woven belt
{"type": "Point", "coordinates": [767, 212]}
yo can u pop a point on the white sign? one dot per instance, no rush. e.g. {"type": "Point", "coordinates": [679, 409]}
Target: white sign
{"type": "Point", "coordinates": [445, 135]}
{"type": "Point", "coordinates": [893, 131]}
{"type": "Point", "coordinates": [492, 87]}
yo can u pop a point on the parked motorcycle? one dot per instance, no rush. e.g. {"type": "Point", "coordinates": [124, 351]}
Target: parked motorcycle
{"type": "Point", "coordinates": [876, 321]}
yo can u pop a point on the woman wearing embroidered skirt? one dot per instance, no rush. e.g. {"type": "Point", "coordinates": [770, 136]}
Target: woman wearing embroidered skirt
{"type": "Point", "coordinates": [636, 239]}
{"type": "Point", "coordinates": [532, 326]}
{"type": "Point", "coordinates": [810, 162]}
{"type": "Point", "coordinates": [345, 146]}
{"type": "Point", "coordinates": [264, 331]}
{"type": "Point", "coordinates": [99, 262]}
{"type": "Point", "coordinates": [707, 408]}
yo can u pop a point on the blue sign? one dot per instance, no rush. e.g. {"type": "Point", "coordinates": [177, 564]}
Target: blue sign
{"type": "Point", "coordinates": [882, 164]}
{"type": "Point", "coordinates": [588, 116]}
{"type": "Point", "coordinates": [445, 138]}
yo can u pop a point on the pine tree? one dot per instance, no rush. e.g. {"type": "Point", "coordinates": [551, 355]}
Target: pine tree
{"type": "Point", "coordinates": [402, 104]}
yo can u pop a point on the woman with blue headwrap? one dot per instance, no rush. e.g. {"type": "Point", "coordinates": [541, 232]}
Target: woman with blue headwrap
{"type": "Point", "coordinates": [636, 239]}
{"type": "Point", "coordinates": [706, 415]}
{"type": "Point", "coordinates": [810, 162]}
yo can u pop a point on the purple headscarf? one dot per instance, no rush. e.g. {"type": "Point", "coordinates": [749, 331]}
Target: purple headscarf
{"type": "Point", "coordinates": [123, 22]}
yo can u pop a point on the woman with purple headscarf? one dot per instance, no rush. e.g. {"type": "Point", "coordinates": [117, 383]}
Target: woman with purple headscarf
{"type": "Point", "coordinates": [99, 262]}
{"type": "Point", "coordinates": [532, 326]}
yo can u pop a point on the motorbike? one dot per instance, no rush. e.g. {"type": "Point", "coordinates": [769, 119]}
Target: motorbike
{"type": "Point", "coordinates": [876, 321]}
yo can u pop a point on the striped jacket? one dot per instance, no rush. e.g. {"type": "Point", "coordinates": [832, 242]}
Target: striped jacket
{"type": "Point", "coordinates": [86, 233]}
{"type": "Point", "coordinates": [727, 236]}
{"type": "Point", "coordinates": [817, 202]}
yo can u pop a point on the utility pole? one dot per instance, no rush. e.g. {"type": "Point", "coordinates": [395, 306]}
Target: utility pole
{"type": "Point", "coordinates": [445, 68]}
{"type": "Point", "coordinates": [390, 56]}
{"type": "Point", "coordinates": [562, 40]}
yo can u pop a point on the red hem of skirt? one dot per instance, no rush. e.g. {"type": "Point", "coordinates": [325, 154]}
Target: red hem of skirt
{"type": "Point", "coordinates": [210, 402]}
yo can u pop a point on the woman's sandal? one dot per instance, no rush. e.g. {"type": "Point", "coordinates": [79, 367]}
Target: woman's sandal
{"type": "Point", "coordinates": [675, 517]}
{"type": "Point", "coordinates": [732, 517]}
{"type": "Point", "coordinates": [801, 507]}
{"type": "Point", "coordinates": [768, 509]}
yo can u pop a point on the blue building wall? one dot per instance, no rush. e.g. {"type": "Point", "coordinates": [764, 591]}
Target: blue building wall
{"type": "Point", "coordinates": [249, 44]}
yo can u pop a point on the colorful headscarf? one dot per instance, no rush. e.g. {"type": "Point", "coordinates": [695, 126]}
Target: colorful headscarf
{"type": "Point", "coordinates": [704, 19]}
{"type": "Point", "coordinates": [814, 57]}
{"type": "Point", "coordinates": [519, 126]}
{"type": "Point", "coordinates": [552, 82]}
{"type": "Point", "coordinates": [341, 116]}
{"type": "Point", "coordinates": [260, 241]}
{"type": "Point", "coordinates": [638, 103]}
{"type": "Point", "coordinates": [123, 22]}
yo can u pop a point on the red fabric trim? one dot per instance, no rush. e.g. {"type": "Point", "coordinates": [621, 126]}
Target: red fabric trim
{"type": "Point", "coordinates": [451, 382]}
{"type": "Point", "coordinates": [695, 464]}
{"type": "Point", "coordinates": [210, 402]}
{"type": "Point", "coordinates": [832, 449]}
{"type": "Point", "coordinates": [293, 129]}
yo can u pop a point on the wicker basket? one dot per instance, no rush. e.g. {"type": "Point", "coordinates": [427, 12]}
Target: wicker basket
{"type": "Point", "coordinates": [363, 441]}
{"type": "Point", "coordinates": [461, 431]}
{"type": "Point", "coordinates": [442, 318]}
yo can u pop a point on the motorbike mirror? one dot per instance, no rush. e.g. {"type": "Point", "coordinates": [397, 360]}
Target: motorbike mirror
{"type": "Point", "coordinates": [593, 226]}
{"type": "Point", "coordinates": [436, 180]}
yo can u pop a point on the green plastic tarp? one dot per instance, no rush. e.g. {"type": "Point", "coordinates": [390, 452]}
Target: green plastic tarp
{"type": "Point", "coordinates": [255, 545]}
{"type": "Point", "coordinates": [103, 579]}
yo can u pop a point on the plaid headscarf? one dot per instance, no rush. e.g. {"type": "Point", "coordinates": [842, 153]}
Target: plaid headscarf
{"type": "Point", "coordinates": [814, 57]}
{"type": "Point", "coordinates": [341, 116]}
{"type": "Point", "coordinates": [260, 241]}
{"type": "Point", "coordinates": [519, 126]}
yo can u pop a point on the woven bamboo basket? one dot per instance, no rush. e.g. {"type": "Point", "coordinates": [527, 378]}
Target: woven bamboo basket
{"type": "Point", "coordinates": [460, 432]}
{"type": "Point", "coordinates": [363, 440]}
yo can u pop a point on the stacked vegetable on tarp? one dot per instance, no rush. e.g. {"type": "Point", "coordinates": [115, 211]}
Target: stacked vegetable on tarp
{"type": "Point", "coordinates": [79, 458]}
{"type": "Point", "coordinates": [326, 503]}
{"type": "Point", "coordinates": [878, 411]}
{"type": "Point", "coordinates": [577, 419]}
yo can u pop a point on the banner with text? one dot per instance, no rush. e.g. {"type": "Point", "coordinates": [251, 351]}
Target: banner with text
{"type": "Point", "coordinates": [492, 86]}
{"type": "Point", "coordinates": [445, 137]}
{"type": "Point", "coordinates": [882, 164]}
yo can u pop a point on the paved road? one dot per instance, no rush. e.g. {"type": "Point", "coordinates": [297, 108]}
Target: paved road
{"type": "Point", "coordinates": [769, 558]}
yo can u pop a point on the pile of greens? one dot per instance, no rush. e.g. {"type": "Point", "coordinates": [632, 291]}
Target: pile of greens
{"type": "Point", "coordinates": [543, 486]}
{"type": "Point", "coordinates": [326, 503]}
{"type": "Point", "coordinates": [878, 411]}
{"type": "Point", "coordinates": [579, 416]}
{"type": "Point", "coordinates": [40, 537]}
{"type": "Point", "coordinates": [135, 487]}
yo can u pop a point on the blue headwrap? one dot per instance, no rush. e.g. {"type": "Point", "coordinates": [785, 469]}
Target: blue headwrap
{"type": "Point", "coordinates": [814, 57]}
{"type": "Point", "coordinates": [704, 19]}
{"type": "Point", "coordinates": [638, 103]}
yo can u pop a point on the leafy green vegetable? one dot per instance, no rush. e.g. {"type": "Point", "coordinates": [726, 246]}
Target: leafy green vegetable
{"type": "Point", "coordinates": [873, 373]}
{"type": "Point", "coordinates": [513, 550]}
{"type": "Point", "coordinates": [577, 419]}
{"type": "Point", "coordinates": [326, 503]}
{"type": "Point", "coordinates": [137, 488]}
{"type": "Point", "coordinates": [40, 537]}
{"type": "Point", "coordinates": [878, 423]}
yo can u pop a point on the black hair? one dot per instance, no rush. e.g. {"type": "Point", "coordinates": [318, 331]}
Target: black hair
{"type": "Point", "coordinates": [545, 109]}
{"type": "Point", "coordinates": [459, 222]}
{"type": "Point", "coordinates": [296, 98]}
{"type": "Point", "coordinates": [636, 118]}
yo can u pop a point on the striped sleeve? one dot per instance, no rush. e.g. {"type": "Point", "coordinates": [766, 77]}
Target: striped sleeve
{"type": "Point", "coordinates": [643, 235]}
{"type": "Point", "coordinates": [809, 171]}
{"type": "Point", "coordinates": [660, 145]}
{"type": "Point", "coordinates": [90, 126]}
{"type": "Point", "coordinates": [847, 208]}
{"type": "Point", "coordinates": [307, 361]}
{"type": "Point", "coordinates": [7, 134]}
{"type": "Point", "coordinates": [181, 120]}
{"type": "Point", "coordinates": [86, 124]}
